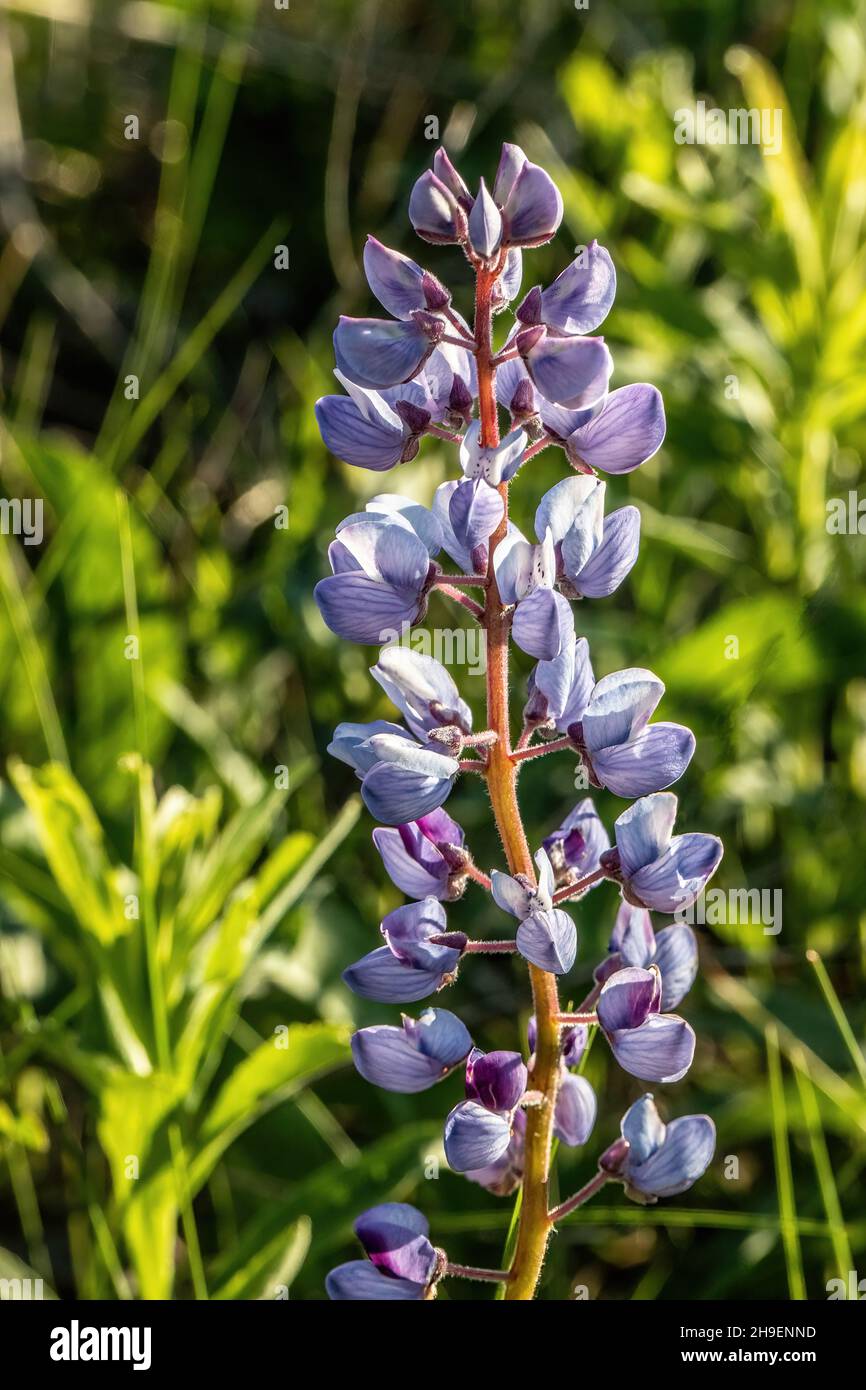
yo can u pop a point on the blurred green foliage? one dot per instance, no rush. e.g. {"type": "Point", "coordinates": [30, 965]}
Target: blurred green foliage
{"type": "Point", "coordinates": [172, 939]}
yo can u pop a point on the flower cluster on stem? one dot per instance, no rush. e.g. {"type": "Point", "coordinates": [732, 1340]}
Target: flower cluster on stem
{"type": "Point", "coordinates": [428, 372]}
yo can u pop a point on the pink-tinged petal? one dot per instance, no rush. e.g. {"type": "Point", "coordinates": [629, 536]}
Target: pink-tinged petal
{"type": "Point", "coordinates": [548, 940]}
{"type": "Point", "coordinates": [643, 832]}
{"type": "Point", "coordinates": [475, 1136]}
{"type": "Point", "coordinates": [613, 558]}
{"type": "Point", "coordinates": [361, 1281]}
{"type": "Point", "coordinates": [379, 352]}
{"type": "Point", "coordinates": [677, 1163]}
{"type": "Point", "coordinates": [395, 280]}
{"type": "Point", "coordinates": [627, 999]}
{"type": "Point", "coordinates": [575, 1113]}
{"type": "Point", "coordinates": [662, 1049]}
{"type": "Point", "coordinates": [627, 432]}
{"type": "Point", "coordinates": [676, 955]}
{"type": "Point", "coordinates": [573, 372]}
{"type": "Point", "coordinates": [581, 297]}
{"type": "Point", "coordinates": [543, 623]}
{"type": "Point", "coordinates": [679, 875]}
{"type": "Point", "coordinates": [394, 1236]}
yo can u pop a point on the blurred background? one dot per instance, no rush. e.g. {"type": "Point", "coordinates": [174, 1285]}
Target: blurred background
{"type": "Point", "coordinates": [183, 870]}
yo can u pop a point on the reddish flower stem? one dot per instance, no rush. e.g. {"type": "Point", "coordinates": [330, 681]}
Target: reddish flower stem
{"type": "Point", "coordinates": [490, 948]}
{"type": "Point", "coordinates": [477, 875]}
{"type": "Point", "coordinates": [594, 1185]}
{"type": "Point", "coordinates": [465, 602]}
{"type": "Point", "coordinates": [493, 1276]}
{"type": "Point", "coordinates": [534, 1228]}
{"type": "Point", "coordinates": [565, 893]}
{"type": "Point", "coordinates": [557, 746]}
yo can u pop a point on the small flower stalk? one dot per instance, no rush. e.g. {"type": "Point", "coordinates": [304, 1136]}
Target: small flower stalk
{"type": "Point", "coordinates": [429, 372]}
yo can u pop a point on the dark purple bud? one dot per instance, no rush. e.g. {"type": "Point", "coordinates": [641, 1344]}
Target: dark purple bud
{"type": "Point", "coordinates": [614, 1157]}
{"type": "Point", "coordinates": [431, 325]}
{"type": "Point", "coordinates": [415, 416]}
{"type": "Point", "coordinates": [523, 402]}
{"type": "Point", "coordinates": [529, 338]}
{"type": "Point", "coordinates": [529, 310]}
{"type": "Point", "coordinates": [434, 212]}
{"type": "Point", "coordinates": [460, 399]}
{"type": "Point", "coordinates": [495, 1080]}
{"type": "Point", "coordinates": [436, 295]}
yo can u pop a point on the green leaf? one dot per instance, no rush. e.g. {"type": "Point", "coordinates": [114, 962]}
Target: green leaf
{"type": "Point", "coordinates": [270, 1074]}
{"type": "Point", "coordinates": [270, 1271]}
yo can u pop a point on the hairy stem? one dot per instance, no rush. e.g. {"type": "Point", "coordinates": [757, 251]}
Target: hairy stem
{"type": "Point", "coordinates": [534, 1228]}
{"type": "Point", "coordinates": [493, 1276]}
{"type": "Point", "coordinates": [594, 1185]}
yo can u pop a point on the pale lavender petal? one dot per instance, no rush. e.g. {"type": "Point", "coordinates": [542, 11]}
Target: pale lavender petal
{"type": "Point", "coordinates": [510, 895]}
{"type": "Point", "coordinates": [633, 936]}
{"type": "Point", "coordinates": [623, 435]}
{"type": "Point", "coordinates": [386, 1057]}
{"type": "Point", "coordinates": [575, 1112]}
{"type": "Point", "coordinates": [677, 1164]}
{"type": "Point", "coordinates": [422, 689]}
{"type": "Point", "coordinates": [581, 297]}
{"type": "Point", "coordinates": [560, 508]}
{"type": "Point", "coordinates": [412, 860]}
{"type": "Point", "coordinates": [475, 510]}
{"type": "Point", "coordinates": [643, 832]}
{"type": "Point", "coordinates": [644, 1129]}
{"type": "Point", "coordinates": [384, 977]}
{"type": "Point", "coordinates": [379, 352]}
{"type": "Point", "coordinates": [359, 1280]}
{"type": "Point", "coordinates": [511, 161]}
{"type": "Point", "coordinates": [441, 1035]}
{"type": "Point", "coordinates": [620, 706]}
{"type": "Point", "coordinates": [542, 624]}
{"type": "Point", "coordinates": [532, 210]}
{"type": "Point", "coordinates": [347, 743]}
{"type": "Point", "coordinates": [548, 940]}
{"type": "Point", "coordinates": [613, 558]}
{"type": "Point", "coordinates": [676, 955]}
{"type": "Point", "coordinates": [662, 1049]}
{"type": "Point", "coordinates": [655, 759]}
{"type": "Point", "coordinates": [403, 510]}
{"type": "Point", "coordinates": [485, 224]}
{"type": "Point", "coordinates": [475, 1136]}
{"type": "Point", "coordinates": [434, 211]}
{"type": "Point", "coordinates": [394, 794]}
{"type": "Point", "coordinates": [570, 371]}
{"type": "Point", "coordinates": [359, 609]}
{"type": "Point", "coordinates": [366, 441]}
{"type": "Point", "coordinates": [676, 877]}
{"type": "Point", "coordinates": [395, 280]}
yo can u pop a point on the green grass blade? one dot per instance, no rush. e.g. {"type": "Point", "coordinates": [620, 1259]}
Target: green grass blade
{"type": "Point", "coordinates": [784, 1178]}
{"type": "Point", "coordinates": [838, 1013]}
{"type": "Point", "coordinates": [824, 1172]}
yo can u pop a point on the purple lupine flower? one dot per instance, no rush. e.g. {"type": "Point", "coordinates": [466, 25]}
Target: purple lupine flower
{"type": "Point", "coordinates": [399, 284]}
{"type": "Point", "coordinates": [559, 689]}
{"type": "Point", "coordinates": [594, 552]}
{"type": "Point", "coordinates": [382, 575]}
{"type": "Point", "coordinates": [504, 1174]}
{"type": "Point", "coordinates": [674, 950]}
{"type": "Point", "coordinates": [572, 372]}
{"type": "Point", "coordinates": [421, 956]}
{"type": "Point", "coordinates": [385, 352]}
{"type": "Point", "coordinates": [575, 1111]}
{"type": "Point", "coordinates": [422, 690]}
{"type": "Point", "coordinates": [401, 779]}
{"type": "Point", "coordinates": [659, 1160]}
{"type": "Point", "coordinates": [525, 207]}
{"type": "Point", "coordinates": [658, 870]}
{"type": "Point", "coordinates": [401, 1263]}
{"type": "Point", "coordinates": [621, 749]}
{"type": "Point", "coordinates": [494, 464]}
{"type": "Point", "coordinates": [478, 1130]}
{"type": "Point", "coordinates": [574, 850]}
{"type": "Point", "coordinates": [547, 937]}
{"type": "Point", "coordinates": [646, 1043]}
{"type": "Point", "coordinates": [425, 857]}
{"type": "Point", "coordinates": [616, 433]}
{"type": "Point", "coordinates": [406, 779]}
{"type": "Point", "coordinates": [468, 512]}
{"type": "Point", "coordinates": [413, 1057]}
{"type": "Point", "coordinates": [580, 298]}
{"type": "Point", "coordinates": [525, 575]}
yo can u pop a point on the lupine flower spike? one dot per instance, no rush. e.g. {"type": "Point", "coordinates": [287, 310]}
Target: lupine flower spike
{"type": "Point", "coordinates": [431, 371]}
